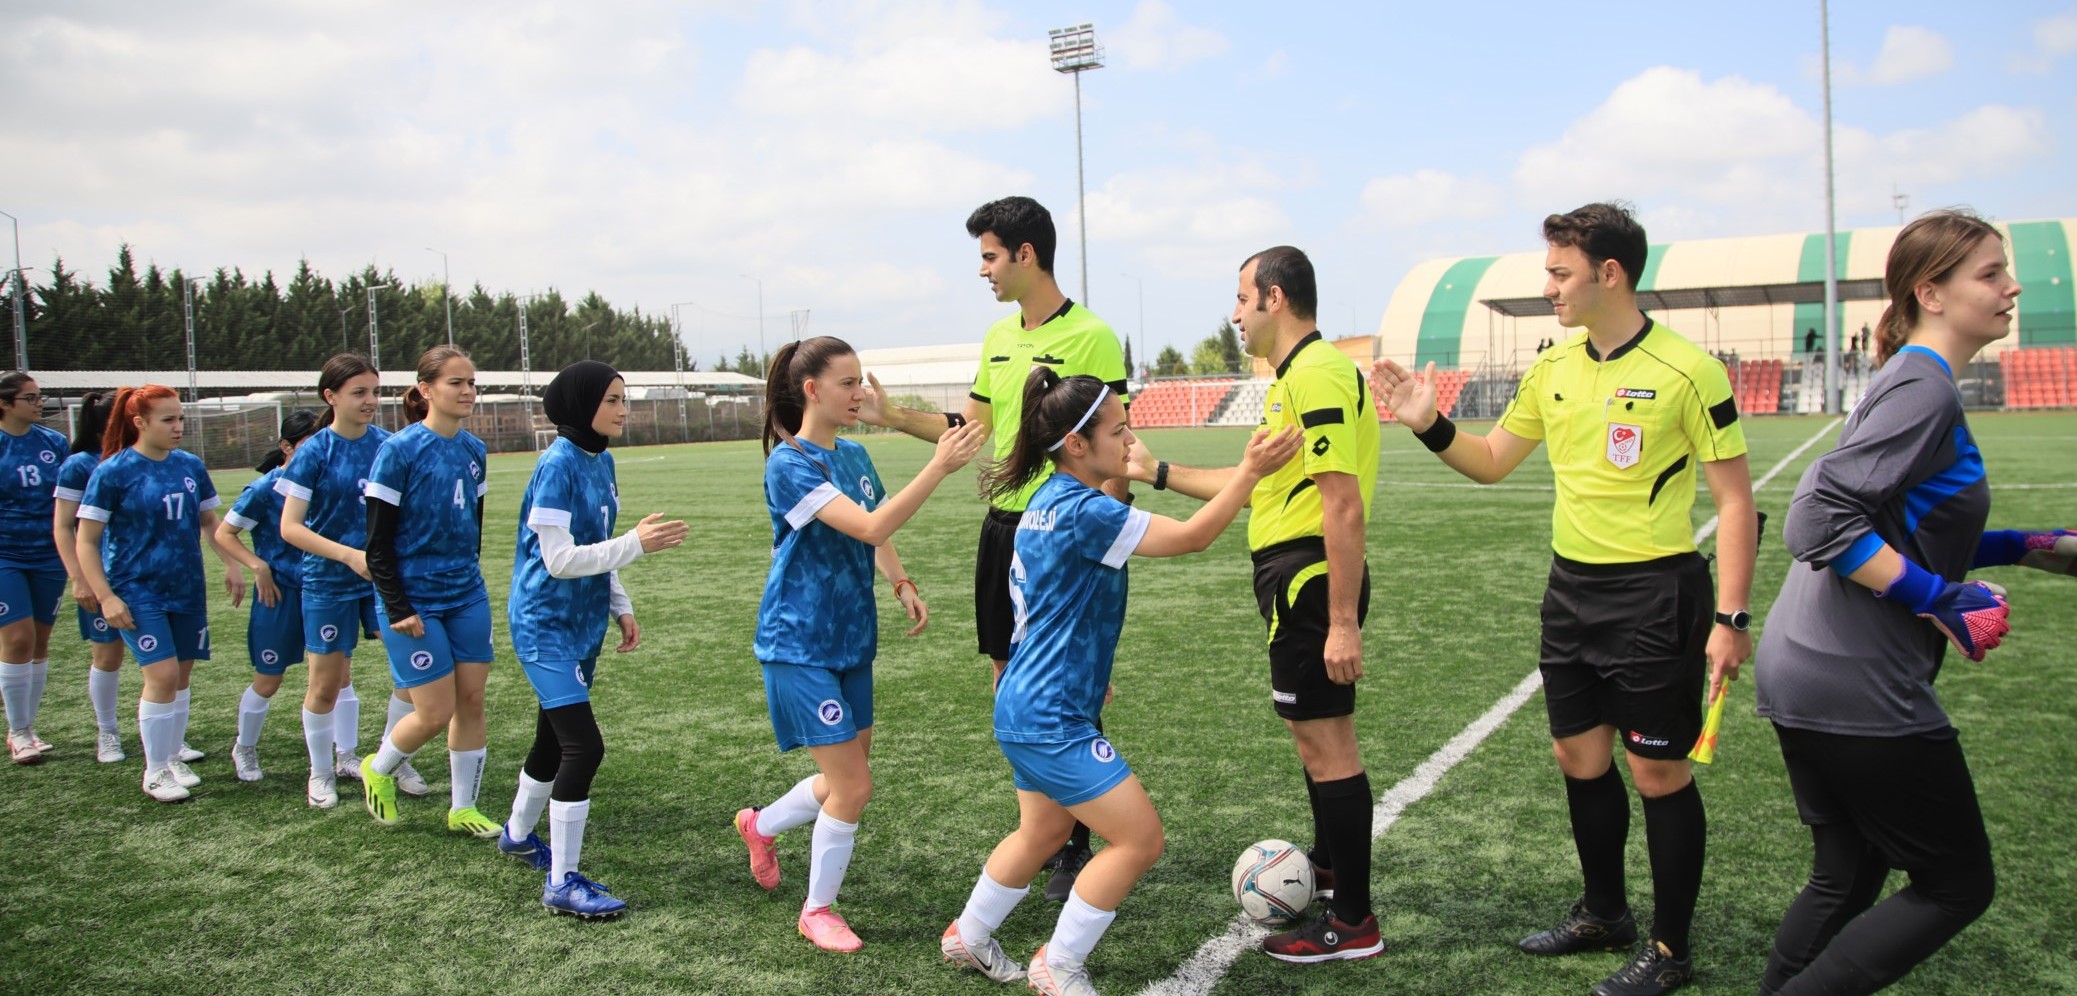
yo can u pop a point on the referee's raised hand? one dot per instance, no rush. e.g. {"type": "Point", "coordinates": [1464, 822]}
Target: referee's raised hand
{"type": "Point", "coordinates": [1410, 396]}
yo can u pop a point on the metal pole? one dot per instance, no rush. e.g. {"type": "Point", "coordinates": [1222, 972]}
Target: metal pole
{"type": "Point", "coordinates": [1834, 390]}
{"type": "Point", "coordinates": [374, 334]}
{"type": "Point", "coordinates": [446, 293]}
{"type": "Point", "coordinates": [1081, 194]}
{"type": "Point", "coordinates": [21, 321]}
{"type": "Point", "coordinates": [187, 287]}
{"type": "Point", "coordinates": [343, 312]}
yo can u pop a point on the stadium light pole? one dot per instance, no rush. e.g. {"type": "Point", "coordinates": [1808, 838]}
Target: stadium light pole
{"type": "Point", "coordinates": [1075, 51]}
{"type": "Point", "coordinates": [760, 314]}
{"type": "Point", "coordinates": [375, 333]}
{"type": "Point", "coordinates": [343, 312]}
{"type": "Point", "coordinates": [1142, 316]}
{"type": "Point", "coordinates": [187, 288]}
{"type": "Point", "coordinates": [21, 321]}
{"type": "Point", "coordinates": [1835, 392]}
{"type": "Point", "coordinates": [446, 293]}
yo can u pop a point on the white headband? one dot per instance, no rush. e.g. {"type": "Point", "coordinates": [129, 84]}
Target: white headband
{"type": "Point", "coordinates": [1086, 416]}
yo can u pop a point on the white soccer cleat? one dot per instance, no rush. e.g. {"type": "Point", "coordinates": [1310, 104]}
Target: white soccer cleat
{"type": "Point", "coordinates": [1053, 980]}
{"type": "Point", "coordinates": [22, 749]}
{"type": "Point", "coordinates": [324, 791]}
{"type": "Point", "coordinates": [985, 957]}
{"type": "Point", "coordinates": [162, 786]}
{"type": "Point", "coordinates": [409, 781]}
{"type": "Point", "coordinates": [109, 748]}
{"type": "Point", "coordinates": [41, 746]}
{"type": "Point", "coordinates": [346, 765]}
{"type": "Point", "coordinates": [183, 774]}
{"type": "Point", "coordinates": [189, 755]}
{"type": "Point", "coordinates": [247, 761]}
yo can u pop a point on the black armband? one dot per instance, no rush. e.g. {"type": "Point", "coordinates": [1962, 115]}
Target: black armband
{"type": "Point", "coordinates": [1439, 436]}
{"type": "Point", "coordinates": [954, 420]}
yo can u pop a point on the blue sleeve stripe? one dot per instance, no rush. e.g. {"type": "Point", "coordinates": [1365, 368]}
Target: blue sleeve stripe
{"type": "Point", "coordinates": [1859, 553]}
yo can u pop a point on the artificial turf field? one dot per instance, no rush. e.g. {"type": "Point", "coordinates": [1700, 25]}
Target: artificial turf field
{"type": "Point", "coordinates": [244, 889]}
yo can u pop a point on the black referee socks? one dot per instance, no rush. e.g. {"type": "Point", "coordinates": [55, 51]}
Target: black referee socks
{"type": "Point", "coordinates": [1320, 856]}
{"type": "Point", "coordinates": [1600, 829]}
{"type": "Point", "coordinates": [1676, 831]}
{"type": "Point", "coordinates": [1343, 808]}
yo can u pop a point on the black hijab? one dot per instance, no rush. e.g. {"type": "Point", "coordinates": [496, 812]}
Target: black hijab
{"type": "Point", "coordinates": [572, 399]}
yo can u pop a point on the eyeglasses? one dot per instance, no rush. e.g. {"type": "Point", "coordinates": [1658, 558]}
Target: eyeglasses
{"type": "Point", "coordinates": [34, 399]}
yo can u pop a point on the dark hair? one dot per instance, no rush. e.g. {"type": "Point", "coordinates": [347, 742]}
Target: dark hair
{"type": "Point", "coordinates": [1052, 405]}
{"type": "Point", "coordinates": [333, 377]}
{"type": "Point", "coordinates": [93, 420]}
{"type": "Point", "coordinates": [296, 426]}
{"type": "Point", "coordinates": [796, 361]}
{"type": "Point", "coordinates": [416, 407]}
{"type": "Point", "coordinates": [131, 403]}
{"type": "Point", "coordinates": [1288, 268]}
{"type": "Point", "coordinates": [11, 385]}
{"type": "Point", "coordinates": [1926, 251]}
{"type": "Point", "coordinates": [1604, 231]}
{"type": "Point", "coordinates": [1017, 222]}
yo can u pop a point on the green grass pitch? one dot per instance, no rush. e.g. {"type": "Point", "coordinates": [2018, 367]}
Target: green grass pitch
{"type": "Point", "coordinates": [246, 890]}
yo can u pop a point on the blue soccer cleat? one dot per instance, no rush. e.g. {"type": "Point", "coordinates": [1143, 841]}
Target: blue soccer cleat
{"type": "Point", "coordinates": [532, 850]}
{"type": "Point", "coordinates": [582, 898]}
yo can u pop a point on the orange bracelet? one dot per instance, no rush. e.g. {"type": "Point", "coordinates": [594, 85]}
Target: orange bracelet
{"type": "Point", "coordinates": [912, 587]}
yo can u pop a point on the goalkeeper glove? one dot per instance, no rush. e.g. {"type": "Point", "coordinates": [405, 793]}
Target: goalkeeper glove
{"type": "Point", "coordinates": [1971, 614]}
{"type": "Point", "coordinates": [2052, 550]}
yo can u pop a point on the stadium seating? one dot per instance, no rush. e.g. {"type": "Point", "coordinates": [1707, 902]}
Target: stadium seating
{"type": "Point", "coordinates": [1244, 405]}
{"type": "Point", "coordinates": [1178, 402]}
{"type": "Point", "coordinates": [1448, 385]}
{"type": "Point", "coordinates": [2040, 377]}
{"type": "Point", "coordinates": [1757, 385]}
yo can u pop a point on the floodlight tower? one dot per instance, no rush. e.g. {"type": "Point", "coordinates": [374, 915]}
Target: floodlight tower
{"type": "Point", "coordinates": [187, 289]}
{"type": "Point", "coordinates": [1076, 51]}
{"type": "Point", "coordinates": [374, 332]}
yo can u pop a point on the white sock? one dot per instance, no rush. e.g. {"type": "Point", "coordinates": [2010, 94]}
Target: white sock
{"type": "Point", "coordinates": [157, 726]}
{"type": "Point", "coordinates": [398, 709]}
{"type": "Point", "coordinates": [40, 677]}
{"type": "Point", "coordinates": [527, 804]}
{"type": "Point", "coordinates": [388, 759]}
{"type": "Point", "coordinates": [180, 703]}
{"type": "Point", "coordinates": [15, 681]}
{"type": "Point", "coordinates": [346, 722]}
{"type": "Point", "coordinates": [796, 807]}
{"type": "Point", "coordinates": [103, 687]}
{"type": "Point", "coordinates": [317, 737]}
{"type": "Point", "coordinates": [1075, 935]}
{"type": "Point", "coordinates": [987, 908]}
{"type": "Point", "coordinates": [831, 859]}
{"type": "Point", "coordinates": [566, 836]}
{"type": "Point", "coordinates": [464, 776]}
{"type": "Point", "coordinates": [252, 714]}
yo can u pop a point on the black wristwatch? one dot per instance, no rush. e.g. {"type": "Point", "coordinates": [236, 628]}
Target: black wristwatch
{"type": "Point", "coordinates": [1161, 475]}
{"type": "Point", "coordinates": [1740, 620]}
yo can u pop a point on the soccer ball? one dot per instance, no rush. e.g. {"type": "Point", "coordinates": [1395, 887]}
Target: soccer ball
{"type": "Point", "coordinates": [1273, 880]}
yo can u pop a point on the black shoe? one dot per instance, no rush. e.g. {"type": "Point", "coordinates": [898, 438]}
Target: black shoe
{"type": "Point", "coordinates": [1653, 971]}
{"type": "Point", "coordinates": [1066, 865]}
{"type": "Point", "coordinates": [1583, 931]}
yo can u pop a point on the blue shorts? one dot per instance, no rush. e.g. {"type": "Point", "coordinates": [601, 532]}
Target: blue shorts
{"type": "Point", "coordinates": [815, 706]}
{"type": "Point", "coordinates": [561, 683]}
{"type": "Point", "coordinates": [274, 636]}
{"type": "Point", "coordinates": [94, 629]}
{"type": "Point", "coordinates": [457, 635]}
{"type": "Point", "coordinates": [165, 636]}
{"type": "Point", "coordinates": [30, 594]}
{"type": "Point", "coordinates": [1068, 773]}
{"type": "Point", "coordinates": [336, 625]}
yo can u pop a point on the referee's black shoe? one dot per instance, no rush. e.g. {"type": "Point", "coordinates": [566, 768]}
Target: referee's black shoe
{"type": "Point", "coordinates": [1066, 865]}
{"type": "Point", "coordinates": [1580, 931]}
{"type": "Point", "coordinates": [1653, 971]}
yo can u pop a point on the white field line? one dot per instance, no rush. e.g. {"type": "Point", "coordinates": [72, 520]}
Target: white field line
{"type": "Point", "coordinates": [1202, 972]}
{"type": "Point", "coordinates": [1467, 484]}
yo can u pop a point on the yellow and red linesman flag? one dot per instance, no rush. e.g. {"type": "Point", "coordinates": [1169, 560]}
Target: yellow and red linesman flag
{"type": "Point", "coordinates": [1705, 745]}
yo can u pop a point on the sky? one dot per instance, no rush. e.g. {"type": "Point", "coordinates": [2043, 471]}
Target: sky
{"type": "Point", "coordinates": [825, 155]}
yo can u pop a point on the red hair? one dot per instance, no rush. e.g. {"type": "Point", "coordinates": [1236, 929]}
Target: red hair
{"type": "Point", "coordinates": [131, 403]}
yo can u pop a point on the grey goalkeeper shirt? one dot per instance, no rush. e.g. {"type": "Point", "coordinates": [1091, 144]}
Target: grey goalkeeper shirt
{"type": "Point", "coordinates": [1833, 657]}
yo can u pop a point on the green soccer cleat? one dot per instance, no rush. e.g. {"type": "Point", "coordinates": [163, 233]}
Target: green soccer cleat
{"type": "Point", "coordinates": [470, 821]}
{"type": "Point", "coordinates": [381, 792]}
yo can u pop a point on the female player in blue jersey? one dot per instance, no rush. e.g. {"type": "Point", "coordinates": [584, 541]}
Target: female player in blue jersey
{"type": "Point", "coordinates": [32, 577]}
{"type": "Point", "coordinates": [324, 514]}
{"type": "Point", "coordinates": [141, 523]}
{"type": "Point", "coordinates": [425, 533]}
{"type": "Point", "coordinates": [817, 628]}
{"type": "Point", "coordinates": [104, 677]}
{"type": "Point", "coordinates": [1070, 580]}
{"type": "Point", "coordinates": [565, 587]}
{"type": "Point", "coordinates": [274, 634]}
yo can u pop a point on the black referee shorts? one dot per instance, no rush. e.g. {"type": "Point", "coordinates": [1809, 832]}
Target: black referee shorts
{"type": "Point", "coordinates": [995, 617]}
{"type": "Point", "coordinates": [1624, 645]}
{"type": "Point", "coordinates": [1291, 591]}
{"type": "Point", "coordinates": [1911, 798]}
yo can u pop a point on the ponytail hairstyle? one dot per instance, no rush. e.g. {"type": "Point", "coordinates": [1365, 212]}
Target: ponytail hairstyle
{"type": "Point", "coordinates": [295, 427]}
{"type": "Point", "coordinates": [784, 402]}
{"type": "Point", "coordinates": [131, 403]}
{"type": "Point", "coordinates": [93, 420]}
{"type": "Point", "coordinates": [416, 406]}
{"type": "Point", "coordinates": [1927, 251]}
{"type": "Point", "coordinates": [333, 377]}
{"type": "Point", "coordinates": [1053, 405]}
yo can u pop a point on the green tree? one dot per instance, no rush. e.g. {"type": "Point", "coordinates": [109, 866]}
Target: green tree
{"type": "Point", "coordinates": [1169, 363]}
{"type": "Point", "coordinates": [1208, 358]}
{"type": "Point", "coordinates": [1229, 345]}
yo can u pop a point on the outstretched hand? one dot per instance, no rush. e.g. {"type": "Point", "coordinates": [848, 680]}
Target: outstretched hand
{"type": "Point", "coordinates": [1411, 396]}
{"type": "Point", "coordinates": [2054, 551]}
{"type": "Point", "coordinates": [1267, 451]}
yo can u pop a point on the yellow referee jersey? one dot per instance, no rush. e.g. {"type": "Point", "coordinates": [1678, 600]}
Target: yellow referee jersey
{"type": "Point", "coordinates": [1320, 390]}
{"type": "Point", "coordinates": [1625, 434]}
{"type": "Point", "coordinates": [1073, 341]}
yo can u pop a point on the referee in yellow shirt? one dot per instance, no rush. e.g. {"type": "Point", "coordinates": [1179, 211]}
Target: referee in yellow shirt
{"type": "Point", "coordinates": [1629, 409]}
{"type": "Point", "coordinates": [1306, 534]}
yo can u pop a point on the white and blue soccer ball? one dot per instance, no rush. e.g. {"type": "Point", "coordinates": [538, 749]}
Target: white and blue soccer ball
{"type": "Point", "coordinates": [1273, 881]}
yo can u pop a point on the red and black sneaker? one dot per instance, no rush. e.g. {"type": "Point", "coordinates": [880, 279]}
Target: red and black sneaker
{"type": "Point", "coordinates": [1325, 939]}
{"type": "Point", "coordinates": [1323, 882]}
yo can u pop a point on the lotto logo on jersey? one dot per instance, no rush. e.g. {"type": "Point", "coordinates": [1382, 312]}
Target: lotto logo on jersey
{"type": "Point", "coordinates": [1102, 751]}
{"type": "Point", "coordinates": [421, 660]}
{"type": "Point", "coordinates": [1625, 444]}
{"type": "Point", "coordinates": [269, 657]}
{"type": "Point", "coordinates": [147, 643]}
{"type": "Point", "coordinates": [831, 712]}
{"type": "Point", "coordinates": [1636, 392]}
{"type": "Point", "coordinates": [328, 632]}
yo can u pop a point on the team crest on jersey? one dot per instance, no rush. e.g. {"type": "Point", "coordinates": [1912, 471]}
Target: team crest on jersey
{"type": "Point", "coordinates": [147, 643]}
{"type": "Point", "coordinates": [421, 660]}
{"type": "Point", "coordinates": [190, 482]}
{"type": "Point", "coordinates": [474, 471]}
{"type": "Point", "coordinates": [1275, 408]}
{"type": "Point", "coordinates": [579, 671]}
{"type": "Point", "coordinates": [328, 632]}
{"type": "Point", "coordinates": [1102, 751]}
{"type": "Point", "coordinates": [100, 625]}
{"type": "Point", "coordinates": [830, 711]}
{"type": "Point", "coordinates": [269, 657]}
{"type": "Point", "coordinates": [1625, 444]}
{"type": "Point", "coordinates": [3, 608]}
{"type": "Point", "coordinates": [47, 457]}
{"type": "Point", "coordinates": [865, 486]}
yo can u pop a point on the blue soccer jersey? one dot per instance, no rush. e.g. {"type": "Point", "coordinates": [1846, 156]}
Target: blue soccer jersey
{"type": "Point", "coordinates": [151, 544]}
{"type": "Point", "coordinates": [29, 465]}
{"type": "Point", "coordinates": [437, 486]}
{"type": "Point", "coordinates": [330, 472]}
{"type": "Point", "coordinates": [1067, 582]}
{"type": "Point", "coordinates": [562, 619]}
{"type": "Point", "coordinates": [73, 474]}
{"type": "Point", "coordinates": [818, 602]}
{"type": "Point", "coordinates": [258, 511]}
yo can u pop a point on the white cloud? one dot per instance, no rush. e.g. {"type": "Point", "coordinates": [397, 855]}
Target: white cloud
{"type": "Point", "coordinates": [1155, 38]}
{"type": "Point", "coordinates": [1191, 219]}
{"type": "Point", "coordinates": [1908, 53]}
{"type": "Point", "coordinates": [1409, 200]}
{"type": "Point", "coordinates": [2054, 37]}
